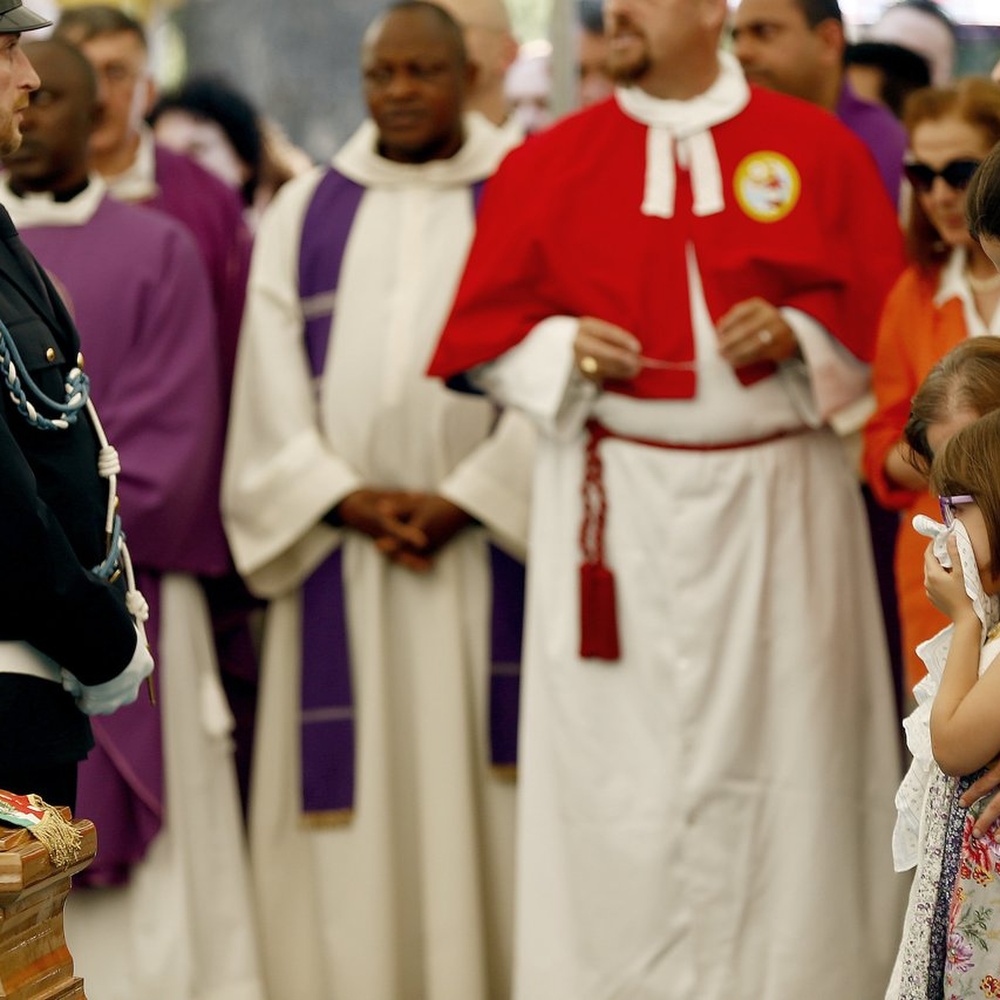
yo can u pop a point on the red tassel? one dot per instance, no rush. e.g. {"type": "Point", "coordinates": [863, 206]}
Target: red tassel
{"type": "Point", "coordinates": [598, 615]}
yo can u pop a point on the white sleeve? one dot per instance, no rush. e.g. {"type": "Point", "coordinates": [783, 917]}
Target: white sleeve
{"type": "Point", "coordinates": [539, 377]}
{"type": "Point", "coordinates": [828, 379]}
{"type": "Point", "coordinates": [493, 482]}
{"type": "Point", "coordinates": [279, 475]}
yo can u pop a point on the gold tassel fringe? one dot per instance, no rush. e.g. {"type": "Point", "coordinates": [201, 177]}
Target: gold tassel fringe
{"type": "Point", "coordinates": [61, 839]}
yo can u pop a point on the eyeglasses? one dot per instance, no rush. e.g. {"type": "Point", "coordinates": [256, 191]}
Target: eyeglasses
{"type": "Point", "coordinates": [955, 174]}
{"type": "Point", "coordinates": [949, 505]}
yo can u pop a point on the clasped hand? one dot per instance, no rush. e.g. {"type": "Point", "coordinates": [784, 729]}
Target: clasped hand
{"type": "Point", "coordinates": [408, 528]}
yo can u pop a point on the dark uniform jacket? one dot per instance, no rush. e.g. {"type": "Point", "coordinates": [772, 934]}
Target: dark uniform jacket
{"type": "Point", "coordinates": [52, 518]}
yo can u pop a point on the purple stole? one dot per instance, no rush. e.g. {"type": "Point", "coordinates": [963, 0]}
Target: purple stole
{"type": "Point", "coordinates": [327, 734]}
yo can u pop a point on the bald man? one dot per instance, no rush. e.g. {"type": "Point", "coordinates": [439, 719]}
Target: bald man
{"type": "Point", "coordinates": [492, 49]}
{"type": "Point", "coordinates": [365, 508]}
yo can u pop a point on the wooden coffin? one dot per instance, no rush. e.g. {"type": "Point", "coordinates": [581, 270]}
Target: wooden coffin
{"type": "Point", "coordinates": [35, 963]}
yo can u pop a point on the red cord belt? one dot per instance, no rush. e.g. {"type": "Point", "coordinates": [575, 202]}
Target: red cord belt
{"type": "Point", "coordinates": [598, 612]}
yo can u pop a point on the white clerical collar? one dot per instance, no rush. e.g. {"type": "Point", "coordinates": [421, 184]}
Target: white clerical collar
{"type": "Point", "coordinates": [728, 95]}
{"type": "Point", "coordinates": [484, 147]}
{"type": "Point", "coordinates": [137, 182]}
{"type": "Point", "coordinates": [687, 126]}
{"type": "Point", "coordinates": [32, 210]}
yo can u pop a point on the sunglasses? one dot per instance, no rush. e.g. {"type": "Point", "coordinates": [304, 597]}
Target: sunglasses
{"type": "Point", "coordinates": [955, 174]}
{"type": "Point", "coordinates": [949, 504]}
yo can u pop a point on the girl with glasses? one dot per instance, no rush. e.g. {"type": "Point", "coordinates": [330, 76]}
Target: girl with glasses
{"type": "Point", "coordinates": [951, 938]}
{"type": "Point", "coordinates": [950, 293]}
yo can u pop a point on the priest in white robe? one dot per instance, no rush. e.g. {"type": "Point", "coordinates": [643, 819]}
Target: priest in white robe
{"type": "Point", "coordinates": [362, 498]}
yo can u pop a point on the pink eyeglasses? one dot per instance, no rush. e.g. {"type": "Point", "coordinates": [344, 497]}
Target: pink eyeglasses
{"type": "Point", "coordinates": [950, 504]}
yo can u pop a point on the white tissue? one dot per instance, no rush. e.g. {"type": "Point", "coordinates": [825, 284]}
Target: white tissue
{"type": "Point", "coordinates": [985, 607]}
{"type": "Point", "coordinates": [929, 528]}
{"type": "Point", "coordinates": [934, 653]}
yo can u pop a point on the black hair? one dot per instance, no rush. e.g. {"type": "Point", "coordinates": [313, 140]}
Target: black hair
{"type": "Point", "coordinates": [591, 15]}
{"type": "Point", "coordinates": [982, 198]}
{"type": "Point", "coordinates": [817, 11]}
{"type": "Point", "coordinates": [214, 99]}
{"type": "Point", "coordinates": [903, 69]}
{"type": "Point", "coordinates": [450, 25]}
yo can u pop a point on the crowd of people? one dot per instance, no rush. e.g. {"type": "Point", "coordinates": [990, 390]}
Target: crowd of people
{"type": "Point", "coordinates": [540, 526]}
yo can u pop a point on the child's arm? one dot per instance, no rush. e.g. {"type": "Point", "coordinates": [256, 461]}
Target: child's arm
{"type": "Point", "coordinates": [965, 717]}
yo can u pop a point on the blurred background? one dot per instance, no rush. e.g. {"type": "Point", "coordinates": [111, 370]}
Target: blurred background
{"type": "Point", "coordinates": [297, 59]}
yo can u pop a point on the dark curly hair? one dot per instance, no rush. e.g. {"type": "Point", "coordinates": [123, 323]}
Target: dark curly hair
{"type": "Point", "coordinates": [213, 99]}
{"type": "Point", "coordinates": [982, 198]}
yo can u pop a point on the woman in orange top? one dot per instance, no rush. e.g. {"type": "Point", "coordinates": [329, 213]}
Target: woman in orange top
{"type": "Point", "coordinates": [949, 293]}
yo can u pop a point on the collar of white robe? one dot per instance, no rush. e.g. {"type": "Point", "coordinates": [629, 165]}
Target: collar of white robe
{"type": "Point", "coordinates": [679, 132]}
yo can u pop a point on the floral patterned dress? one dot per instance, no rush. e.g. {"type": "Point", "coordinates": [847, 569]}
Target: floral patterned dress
{"type": "Point", "coordinates": [972, 963]}
{"type": "Point", "coordinates": [972, 957]}
{"type": "Point", "coordinates": [950, 946]}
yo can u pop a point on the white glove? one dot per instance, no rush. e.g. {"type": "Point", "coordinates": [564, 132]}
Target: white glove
{"type": "Point", "coordinates": [106, 698]}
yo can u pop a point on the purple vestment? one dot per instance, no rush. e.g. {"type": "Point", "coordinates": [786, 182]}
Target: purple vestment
{"type": "Point", "coordinates": [879, 129]}
{"type": "Point", "coordinates": [137, 289]}
{"type": "Point", "coordinates": [214, 215]}
{"type": "Point", "coordinates": [327, 723]}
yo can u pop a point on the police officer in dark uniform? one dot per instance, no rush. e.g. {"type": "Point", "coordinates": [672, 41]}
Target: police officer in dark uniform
{"type": "Point", "coordinates": [71, 638]}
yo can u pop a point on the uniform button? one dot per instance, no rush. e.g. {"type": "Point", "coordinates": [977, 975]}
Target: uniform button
{"type": "Point", "coordinates": [50, 354]}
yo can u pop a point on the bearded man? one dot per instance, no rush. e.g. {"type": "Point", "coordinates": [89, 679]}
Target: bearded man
{"type": "Point", "coordinates": [669, 285]}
